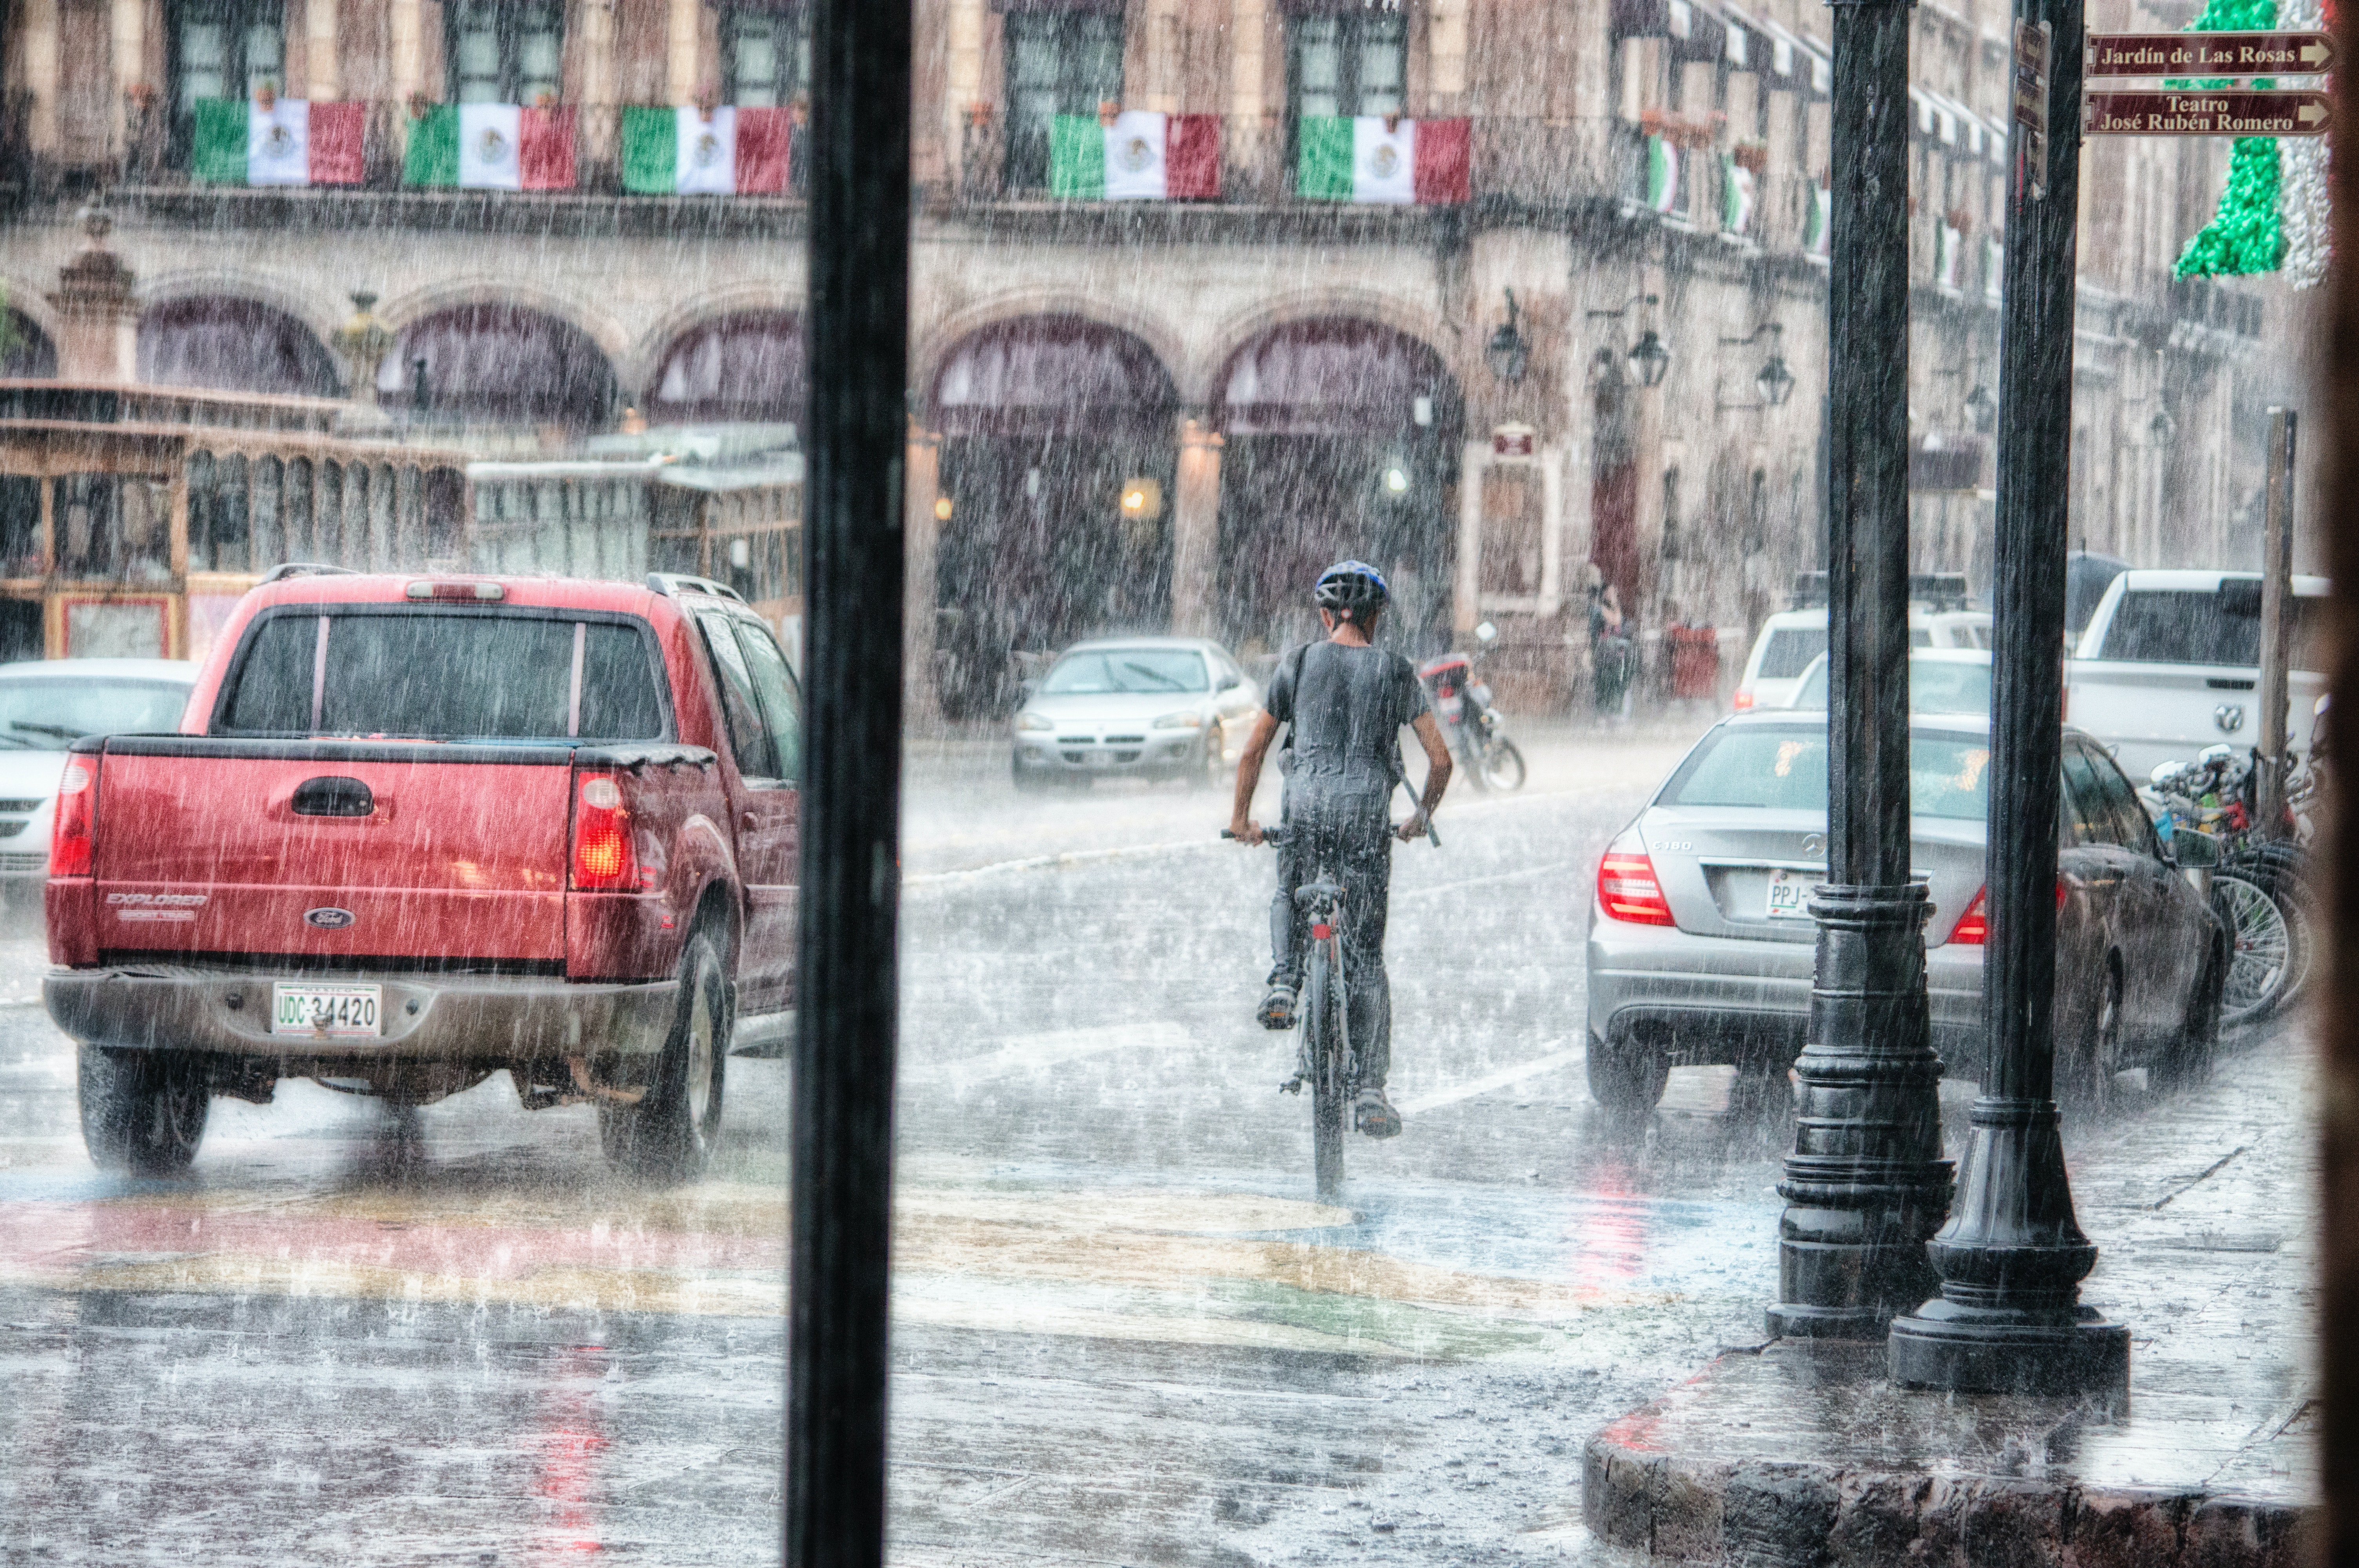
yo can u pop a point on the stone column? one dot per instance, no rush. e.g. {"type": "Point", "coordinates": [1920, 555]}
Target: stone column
{"type": "Point", "coordinates": [682, 38]}
{"type": "Point", "coordinates": [407, 26]}
{"type": "Point", "coordinates": [1241, 138]}
{"type": "Point", "coordinates": [130, 30]}
{"type": "Point", "coordinates": [962, 80]}
{"type": "Point", "coordinates": [921, 527]}
{"type": "Point", "coordinates": [1466, 602]}
{"type": "Point", "coordinates": [322, 69]}
{"type": "Point", "coordinates": [39, 48]}
{"type": "Point", "coordinates": [1551, 467]}
{"type": "Point", "coordinates": [98, 319]}
{"type": "Point", "coordinates": [1196, 527]}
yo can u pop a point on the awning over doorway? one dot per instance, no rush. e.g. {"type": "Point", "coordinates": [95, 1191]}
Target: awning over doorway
{"type": "Point", "coordinates": [1336, 377]}
{"type": "Point", "coordinates": [501, 364]}
{"type": "Point", "coordinates": [232, 345]}
{"type": "Point", "coordinates": [747, 367]}
{"type": "Point", "coordinates": [1061, 375]}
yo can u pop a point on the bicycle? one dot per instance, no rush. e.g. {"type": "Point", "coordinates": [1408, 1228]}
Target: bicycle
{"type": "Point", "coordinates": [1323, 1056]}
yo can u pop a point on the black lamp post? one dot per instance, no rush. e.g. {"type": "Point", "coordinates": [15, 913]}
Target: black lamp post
{"type": "Point", "coordinates": [1509, 353]}
{"type": "Point", "coordinates": [1866, 1185]}
{"type": "Point", "coordinates": [2012, 1257]}
{"type": "Point", "coordinates": [1984, 408]}
{"type": "Point", "coordinates": [1776, 381]}
{"type": "Point", "coordinates": [1650, 359]}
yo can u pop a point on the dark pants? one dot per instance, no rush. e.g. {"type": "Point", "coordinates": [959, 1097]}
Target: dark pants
{"type": "Point", "coordinates": [1349, 836]}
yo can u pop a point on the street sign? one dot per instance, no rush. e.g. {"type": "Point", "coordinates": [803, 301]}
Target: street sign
{"type": "Point", "coordinates": [2209, 54]}
{"type": "Point", "coordinates": [2034, 45]}
{"type": "Point", "coordinates": [2204, 114]}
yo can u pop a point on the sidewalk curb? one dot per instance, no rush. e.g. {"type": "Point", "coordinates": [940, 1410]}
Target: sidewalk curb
{"type": "Point", "coordinates": [1652, 1484]}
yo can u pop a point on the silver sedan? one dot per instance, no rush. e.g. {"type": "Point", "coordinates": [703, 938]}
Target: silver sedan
{"type": "Point", "coordinates": [1701, 944]}
{"type": "Point", "coordinates": [1152, 707]}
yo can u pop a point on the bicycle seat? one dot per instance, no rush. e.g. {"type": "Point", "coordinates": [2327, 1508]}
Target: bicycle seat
{"type": "Point", "coordinates": [1313, 892]}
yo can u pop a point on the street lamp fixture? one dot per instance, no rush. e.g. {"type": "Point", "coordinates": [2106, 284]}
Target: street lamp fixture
{"type": "Point", "coordinates": [1509, 353]}
{"type": "Point", "coordinates": [1395, 480]}
{"type": "Point", "coordinates": [1650, 359]}
{"type": "Point", "coordinates": [2162, 427]}
{"type": "Point", "coordinates": [1984, 408]}
{"type": "Point", "coordinates": [1776, 381]}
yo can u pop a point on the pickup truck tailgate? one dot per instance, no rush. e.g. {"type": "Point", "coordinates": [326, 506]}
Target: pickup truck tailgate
{"type": "Point", "coordinates": [210, 846]}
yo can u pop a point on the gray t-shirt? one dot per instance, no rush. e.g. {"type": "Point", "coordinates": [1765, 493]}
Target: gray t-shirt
{"type": "Point", "coordinates": [1345, 708]}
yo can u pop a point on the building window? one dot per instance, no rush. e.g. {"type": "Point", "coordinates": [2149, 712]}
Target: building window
{"type": "Point", "coordinates": [1059, 62]}
{"type": "Point", "coordinates": [766, 56]}
{"type": "Point", "coordinates": [224, 48]}
{"type": "Point", "coordinates": [507, 52]}
{"type": "Point", "coordinates": [1352, 62]}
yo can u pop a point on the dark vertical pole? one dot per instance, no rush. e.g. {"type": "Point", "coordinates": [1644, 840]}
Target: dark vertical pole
{"type": "Point", "coordinates": [1866, 1183]}
{"type": "Point", "coordinates": [2276, 623]}
{"type": "Point", "coordinates": [2012, 1257]}
{"type": "Point", "coordinates": [852, 799]}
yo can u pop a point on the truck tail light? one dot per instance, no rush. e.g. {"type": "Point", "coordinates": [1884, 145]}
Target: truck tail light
{"type": "Point", "coordinates": [1743, 703]}
{"type": "Point", "coordinates": [1974, 927]}
{"type": "Point", "coordinates": [1627, 890]}
{"type": "Point", "coordinates": [77, 822]}
{"type": "Point", "coordinates": [603, 858]}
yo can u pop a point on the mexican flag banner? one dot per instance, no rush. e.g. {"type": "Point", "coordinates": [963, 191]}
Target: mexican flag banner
{"type": "Point", "coordinates": [1735, 197]}
{"type": "Point", "coordinates": [1662, 175]}
{"type": "Point", "coordinates": [490, 147]}
{"type": "Point", "coordinates": [2274, 215]}
{"type": "Point", "coordinates": [1138, 155]}
{"type": "Point", "coordinates": [689, 151]}
{"type": "Point", "coordinates": [276, 141]}
{"type": "Point", "coordinates": [1373, 158]}
{"type": "Point", "coordinates": [1817, 223]}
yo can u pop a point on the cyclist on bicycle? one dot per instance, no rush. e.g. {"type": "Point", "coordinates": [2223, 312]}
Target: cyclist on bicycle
{"type": "Point", "coordinates": [1345, 703]}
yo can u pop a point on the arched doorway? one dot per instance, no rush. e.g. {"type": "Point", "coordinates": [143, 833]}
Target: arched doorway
{"type": "Point", "coordinates": [498, 364]}
{"type": "Point", "coordinates": [743, 367]}
{"type": "Point", "coordinates": [1057, 468]}
{"type": "Point", "coordinates": [26, 352]}
{"type": "Point", "coordinates": [1342, 439]}
{"type": "Point", "coordinates": [232, 345]}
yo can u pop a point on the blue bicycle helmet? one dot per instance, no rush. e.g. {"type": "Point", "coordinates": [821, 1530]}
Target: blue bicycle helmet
{"type": "Point", "coordinates": [1349, 589]}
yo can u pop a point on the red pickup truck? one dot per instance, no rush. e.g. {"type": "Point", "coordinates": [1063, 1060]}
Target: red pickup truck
{"type": "Point", "coordinates": [414, 830]}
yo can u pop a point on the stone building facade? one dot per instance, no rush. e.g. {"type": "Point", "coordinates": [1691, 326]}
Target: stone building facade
{"type": "Point", "coordinates": [1163, 414]}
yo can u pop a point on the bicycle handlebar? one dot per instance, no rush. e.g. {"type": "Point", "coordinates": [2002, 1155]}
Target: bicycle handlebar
{"type": "Point", "coordinates": [1276, 836]}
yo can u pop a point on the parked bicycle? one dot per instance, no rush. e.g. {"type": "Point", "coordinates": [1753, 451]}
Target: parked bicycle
{"type": "Point", "coordinates": [1323, 1058]}
{"type": "Point", "coordinates": [2261, 887]}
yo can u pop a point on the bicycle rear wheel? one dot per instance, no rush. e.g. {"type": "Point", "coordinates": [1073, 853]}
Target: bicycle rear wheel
{"type": "Point", "coordinates": [1323, 1048]}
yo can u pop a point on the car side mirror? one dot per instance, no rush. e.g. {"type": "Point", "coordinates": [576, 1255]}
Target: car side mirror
{"type": "Point", "coordinates": [2193, 852]}
{"type": "Point", "coordinates": [1230, 683]}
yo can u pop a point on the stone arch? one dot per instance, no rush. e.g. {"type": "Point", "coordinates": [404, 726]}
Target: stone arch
{"type": "Point", "coordinates": [931, 349]}
{"type": "Point", "coordinates": [1049, 374]}
{"type": "Point", "coordinates": [27, 352]}
{"type": "Point", "coordinates": [233, 343]}
{"type": "Point", "coordinates": [1214, 352]}
{"type": "Point", "coordinates": [733, 366]}
{"type": "Point", "coordinates": [319, 312]}
{"type": "Point", "coordinates": [608, 334]}
{"type": "Point", "coordinates": [500, 364]}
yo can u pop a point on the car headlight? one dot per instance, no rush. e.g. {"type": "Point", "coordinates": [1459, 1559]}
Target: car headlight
{"type": "Point", "coordinates": [1192, 719]}
{"type": "Point", "coordinates": [1032, 721]}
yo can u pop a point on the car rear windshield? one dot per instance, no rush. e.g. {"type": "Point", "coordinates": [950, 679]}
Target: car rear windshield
{"type": "Point", "coordinates": [44, 714]}
{"type": "Point", "coordinates": [1103, 670]}
{"type": "Point", "coordinates": [426, 674]}
{"type": "Point", "coordinates": [1785, 769]}
{"type": "Point", "coordinates": [2188, 626]}
{"type": "Point", "coordinates": [1934, 687]}
{"type": "Point", "coordinates": [1790, 650]}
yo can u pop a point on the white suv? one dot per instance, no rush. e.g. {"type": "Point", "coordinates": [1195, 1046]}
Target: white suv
{"type": "Point", "coordinates": [1791, 639]}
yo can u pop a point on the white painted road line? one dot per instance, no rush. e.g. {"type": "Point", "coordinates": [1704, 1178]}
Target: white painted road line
{"type": "Point", "coordinates": [1555, 1061]}
{"type": "Point", "coordinates": [1046, 1049]}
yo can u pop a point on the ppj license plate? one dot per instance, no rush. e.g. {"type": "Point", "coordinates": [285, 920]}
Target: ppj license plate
{"type": "Point", "coordinates": [1788, 893]}
{"type": "Point", "coordinates": [335, 1011]}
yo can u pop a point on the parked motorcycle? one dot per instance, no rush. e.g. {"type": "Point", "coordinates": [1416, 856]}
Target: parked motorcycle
{"type": "Point", "coordinates": [2261, 887]}
{"type": "Point", "coordinates": [1475, 731]}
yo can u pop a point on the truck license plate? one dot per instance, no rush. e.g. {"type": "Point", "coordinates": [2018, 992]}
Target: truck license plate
{"type": "Point", "coordinates": [1787, 892]}
{"type": "Point", "coordinates": [336, 1011]}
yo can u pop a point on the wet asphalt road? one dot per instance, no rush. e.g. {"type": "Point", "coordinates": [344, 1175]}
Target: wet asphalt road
{"type": "Point", "coordinates": [1124, 1332]}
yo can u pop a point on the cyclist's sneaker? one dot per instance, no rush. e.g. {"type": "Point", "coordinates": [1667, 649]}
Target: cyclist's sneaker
{"type": "Point", "coordinates": [1373, 1114]}
{"type": "Point", "coordinates": [1278, 1007]}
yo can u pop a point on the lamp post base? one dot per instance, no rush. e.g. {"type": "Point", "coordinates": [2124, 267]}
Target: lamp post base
{"type": "Point", "coordinates": [1984, 1350]}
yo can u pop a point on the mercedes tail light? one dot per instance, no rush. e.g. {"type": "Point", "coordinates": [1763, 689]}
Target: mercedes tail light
{"type": "Point", "coordinates": [77, 822]}
{"type": "Point", "coordinates": [1974, 927]}
{"type": "Point", "coordinates": [1627, 890]}
{"type": "Point", "coordinates": [603, 860]}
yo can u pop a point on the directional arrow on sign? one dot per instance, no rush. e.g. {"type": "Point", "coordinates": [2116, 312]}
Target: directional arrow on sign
{"type": "Point", "coordinates": [2208, 54]}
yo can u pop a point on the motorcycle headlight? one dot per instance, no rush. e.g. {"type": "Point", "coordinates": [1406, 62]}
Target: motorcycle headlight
{"type": "Point", "coordinates": [1028, 720]}
{"type": "Point", "coordinates": [1192, 719]}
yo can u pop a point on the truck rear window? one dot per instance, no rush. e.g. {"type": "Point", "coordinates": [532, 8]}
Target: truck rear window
{"type": "Point", "coordinates": [2191, 627]}
{"type": "Point", "coordinates": [430, 676]}
{"type": "Point", "coordinates": [1790, 650]}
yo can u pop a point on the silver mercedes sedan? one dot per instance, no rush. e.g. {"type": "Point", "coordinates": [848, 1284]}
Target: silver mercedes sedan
{"type": "Point", "coordinates": [1701, 944]}
{"type": "Point", "coordinates": [1152, 707]}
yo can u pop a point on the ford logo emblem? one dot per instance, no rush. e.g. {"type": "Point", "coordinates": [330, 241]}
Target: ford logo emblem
{"type": "Point", "coordinates": [330, 919]}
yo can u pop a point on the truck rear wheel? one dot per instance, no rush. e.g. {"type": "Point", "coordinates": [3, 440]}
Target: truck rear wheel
{"type": "Point", "coordinates": [669, 1135]}
{"type": "Point", "coordinates": [142, 1112]}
